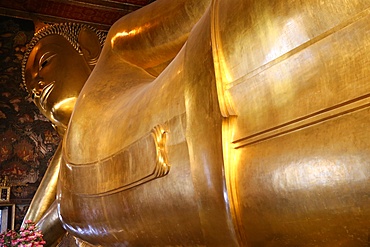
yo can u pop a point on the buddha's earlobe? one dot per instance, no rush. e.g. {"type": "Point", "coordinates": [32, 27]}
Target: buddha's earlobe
{"type": "Point", "coordinates": [90, 45]}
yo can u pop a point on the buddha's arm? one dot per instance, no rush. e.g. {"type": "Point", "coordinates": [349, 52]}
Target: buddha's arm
{"type": "Point", "coordinates": [46, 192]}
{"type": "Point", "coordinates": [51, 226]}
{"type": "Point", "coordinates": [152, 36]}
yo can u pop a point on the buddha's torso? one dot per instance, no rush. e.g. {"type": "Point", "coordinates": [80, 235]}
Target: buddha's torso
{"type": "Point", "coordinates": [282, 161]}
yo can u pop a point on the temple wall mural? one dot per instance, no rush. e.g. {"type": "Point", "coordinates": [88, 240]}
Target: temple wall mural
{"type": "Point", "coordinates": [27, 139]}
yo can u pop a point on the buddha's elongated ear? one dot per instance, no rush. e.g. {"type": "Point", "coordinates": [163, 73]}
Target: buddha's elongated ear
{"type": "Point", "coordinates": [90, 45]}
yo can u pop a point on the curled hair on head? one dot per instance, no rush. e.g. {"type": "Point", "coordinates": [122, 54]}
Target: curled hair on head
{"type": "Point", "coordinates": [70, 31]}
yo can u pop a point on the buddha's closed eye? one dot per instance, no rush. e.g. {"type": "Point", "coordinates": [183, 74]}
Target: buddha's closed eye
{"type": "Point", "coordinates": [45, 60]}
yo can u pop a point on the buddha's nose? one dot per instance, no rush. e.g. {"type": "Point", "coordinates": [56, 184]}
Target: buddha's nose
{"type": "Point", "coordinates": [37, 87]}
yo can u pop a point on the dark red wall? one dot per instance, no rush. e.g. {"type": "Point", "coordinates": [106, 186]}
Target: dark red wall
{"type": "Point", "coordinates": [27, 139]}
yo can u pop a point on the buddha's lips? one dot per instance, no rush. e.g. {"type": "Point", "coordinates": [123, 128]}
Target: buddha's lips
{"type": "Point", "coordinates": [45, 94]}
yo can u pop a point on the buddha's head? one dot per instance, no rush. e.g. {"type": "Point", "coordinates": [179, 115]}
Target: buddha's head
{"type": "Point", "coordinates": [56, 65]}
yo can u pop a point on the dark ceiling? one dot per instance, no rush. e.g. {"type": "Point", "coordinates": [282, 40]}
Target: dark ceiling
{"type": "Point", "coordinates": [99, 13]}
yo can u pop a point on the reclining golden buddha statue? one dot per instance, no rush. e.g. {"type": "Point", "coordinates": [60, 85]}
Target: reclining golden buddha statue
{"type": "Point", "coordinates": [210, 123]}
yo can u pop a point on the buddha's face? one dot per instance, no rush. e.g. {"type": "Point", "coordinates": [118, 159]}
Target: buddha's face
{"type": "Point", "coordinates": [55, 74]}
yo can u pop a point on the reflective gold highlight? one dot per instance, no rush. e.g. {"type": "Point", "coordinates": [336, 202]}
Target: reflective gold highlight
{"type": "Point", "coordinates": [215, 123]}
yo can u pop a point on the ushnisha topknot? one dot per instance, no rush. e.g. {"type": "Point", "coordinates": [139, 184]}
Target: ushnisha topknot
{"type": "Point", "coordinates": [69, 31]}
